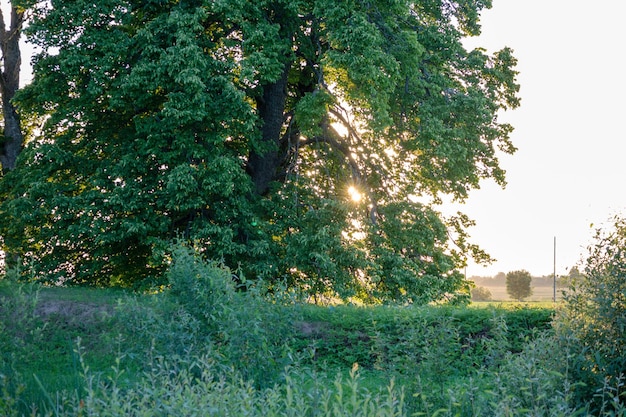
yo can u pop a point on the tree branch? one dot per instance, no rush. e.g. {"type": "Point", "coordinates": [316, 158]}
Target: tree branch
{"type": "Point", "coordinates": [332, 138]}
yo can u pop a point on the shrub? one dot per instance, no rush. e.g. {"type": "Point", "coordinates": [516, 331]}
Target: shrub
{"type": "Point", "coordinates": [156, 324]}
{"type": "Point", "coordinates": [593, 318]}
{"type": "Point", "coordinates": [206, 290]}
{"type": "Point", "coordinates": [20, 328]}
{"type": "Point", "coordinates": [529, 383]}
{"type": "Point", "coordinates": [481, 294]}
{"type": "Point", "coordinates": [250, 329]}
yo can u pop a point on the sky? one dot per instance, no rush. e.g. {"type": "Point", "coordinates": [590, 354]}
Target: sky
{"type": "Point", "coordinates": [570, 168]}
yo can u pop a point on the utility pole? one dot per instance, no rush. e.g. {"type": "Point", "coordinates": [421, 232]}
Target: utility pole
{"type": "Point", "coordinates": [554, 273]}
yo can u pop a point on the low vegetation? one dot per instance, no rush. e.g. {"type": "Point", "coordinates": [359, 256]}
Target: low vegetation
{"type": "Point", "coordinates": [205, 347]}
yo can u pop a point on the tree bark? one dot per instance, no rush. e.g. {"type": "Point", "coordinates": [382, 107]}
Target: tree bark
{"type": "Point", "coordinates": [264, 164]}
{"type": "Point", "coordinates": [13, 141]}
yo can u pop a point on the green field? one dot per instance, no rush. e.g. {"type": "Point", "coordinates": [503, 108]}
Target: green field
{"type": "Point", "coordinates": [540, 293]}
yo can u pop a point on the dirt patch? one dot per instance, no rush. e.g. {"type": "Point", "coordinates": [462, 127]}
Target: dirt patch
{"type": "Point", "coordinates": [312, 329]}
{"type": "Point", "coordinates": [73, 311]}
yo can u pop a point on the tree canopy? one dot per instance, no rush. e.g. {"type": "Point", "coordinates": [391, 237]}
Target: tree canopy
{"type": "Point", "coordinates": [245, 127]}
{"type": "Point", "coordinates": [518, 284]}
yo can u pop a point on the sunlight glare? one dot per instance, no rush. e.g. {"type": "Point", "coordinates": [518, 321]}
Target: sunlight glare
{"type": "Point", "coordinates": [355, 195]}
{"type": "Point", "coordinates": [341, 129]}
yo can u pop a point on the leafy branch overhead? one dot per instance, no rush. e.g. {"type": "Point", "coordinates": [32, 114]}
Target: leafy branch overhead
{"type": "Point", "coordinates": [241, 125]}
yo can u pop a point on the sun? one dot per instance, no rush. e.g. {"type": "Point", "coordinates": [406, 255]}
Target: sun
{"type": "Point", "coordinates": [355, 195]}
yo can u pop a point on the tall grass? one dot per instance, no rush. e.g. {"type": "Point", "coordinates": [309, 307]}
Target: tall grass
{"type": "Point", "coordinates": [200, 387]}
{"type": "Point", "coordinates": [208, 347]}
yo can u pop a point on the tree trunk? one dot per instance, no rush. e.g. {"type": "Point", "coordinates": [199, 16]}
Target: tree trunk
{"type": "Point", "coordinates": [13, 140]}
{"type": "Point", "coordinates": [263, 165]}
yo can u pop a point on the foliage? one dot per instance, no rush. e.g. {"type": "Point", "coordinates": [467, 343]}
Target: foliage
{"type": "Point", "coordinates": [183, 387]}
{"type": "Point", "coordinates": [481, 294]}
{"type": "Point", "coordinates": [205, 290]}
{"type": "Point", "coordinates": [39, 326]}
{"type": "Point", "coordinates": [251, 332]}
{"type": "Point", "coordinates": [217, 122]}
{"type": "Point", "coordinates": [20, 329]}
{"type": "Point", "coordinates": [593, 317]}
{"type": "Point", "coordinates": [157, 357]}
{"type": "Point", "coordinates": [394, 338]}
{"type": "Point", "coordinates": [530, 384]}
{"type": "Point", "coordinates": [407, 245]}
{"type": "Point", "coordinates": [518, 284]}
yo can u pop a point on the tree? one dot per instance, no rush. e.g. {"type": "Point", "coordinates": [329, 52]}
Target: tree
{"type": "Point", "coordinates": [518, 284]}
{"type": "Point", "coordinates": [242, 125]}
{"type": "Point", "coordinates": [566, 281]}
{"type": "Point", "coordinates": [12, 140]}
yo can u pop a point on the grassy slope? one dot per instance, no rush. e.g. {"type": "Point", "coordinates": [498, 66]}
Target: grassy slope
{"type": "Point", "coordinates": [43, 330]}
{"type": "Point", "coordinates": [386, 342]}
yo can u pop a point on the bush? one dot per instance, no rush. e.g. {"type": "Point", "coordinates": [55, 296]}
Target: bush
{"type": "Point", "coordinates": [481, 294]}
{"type": "Point", "coordinates": [156, 324]}
{"type": "Point", "coordinates": [206, 290]}
{"type": "Point", "coordinates": [396, 339]}
{"type": "Point", "coordinates": [528, 383]}
{"type": "Point", "coordinates": [20, 329]}
{"type": "Point", "coordinates": [593, 319]}
{"type": "Point", "coordinates": [251, 331]}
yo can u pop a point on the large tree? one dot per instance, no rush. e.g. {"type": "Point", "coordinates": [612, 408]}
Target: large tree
{"type": "Point", "coordinates": [242, 125]}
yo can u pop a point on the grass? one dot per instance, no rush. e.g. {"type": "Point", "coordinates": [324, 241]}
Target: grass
{"type": "Point", "coordinates": [44, 334]}
{"type": "Point", "coordinates": [541, 294]}
{"type": "Point", "coordinates": [202, 347]}
{"type": "Point", "coordinates": [78, 334]}
{"type": "Point", "coordinates": [85, 295]}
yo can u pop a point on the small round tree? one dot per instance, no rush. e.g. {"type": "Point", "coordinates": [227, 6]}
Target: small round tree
{"type": "Point", "coordinates": [518, 284]}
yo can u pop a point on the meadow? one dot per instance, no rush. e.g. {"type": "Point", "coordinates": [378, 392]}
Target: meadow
{"type": "Point", "coordinates": [202, 348]}
{"type": "Point", "coordinates": [540, 293]}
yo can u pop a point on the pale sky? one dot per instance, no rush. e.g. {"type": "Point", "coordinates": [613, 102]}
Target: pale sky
{"type": "Point", "coordinates": [570, 169]}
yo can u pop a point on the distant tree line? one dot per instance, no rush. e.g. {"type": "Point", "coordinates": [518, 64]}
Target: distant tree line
{"type": "Point", "coordinates": [499, 280]}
